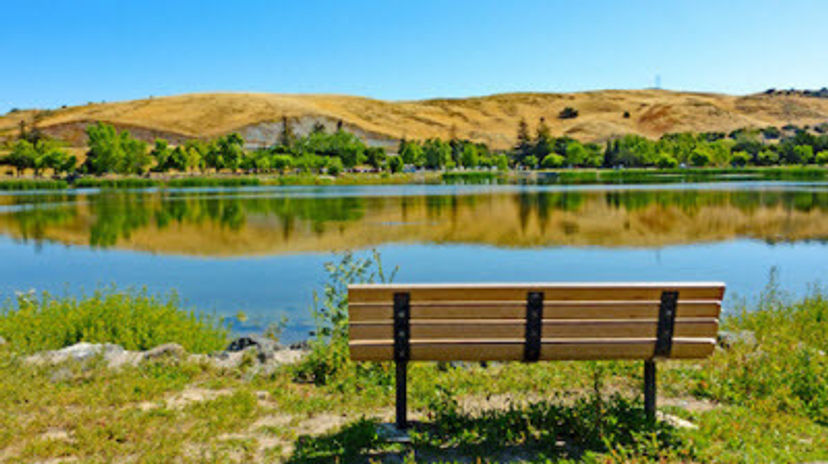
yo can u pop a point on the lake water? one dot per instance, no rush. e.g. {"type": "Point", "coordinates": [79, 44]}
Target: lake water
{"type": "Point", "coordinates": [261, 250]}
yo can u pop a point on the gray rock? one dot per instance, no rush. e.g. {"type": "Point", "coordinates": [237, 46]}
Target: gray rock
{"type": "Point", "coordinates": [303, 345]}
{"type": "Point", "coordinates": [265, 347]}
{"type": "Point", "coordinates": [728, 339]}
{"type": "Point", "coordinates": [173, 350]}
{"type": "Point", "coordinates": [2, 341]}
{"type": "Point", "coordinates": [114, 355]}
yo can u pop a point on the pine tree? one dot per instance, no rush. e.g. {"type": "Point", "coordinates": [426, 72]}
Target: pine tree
{"type": "Point", "coordinates": [287, 137]}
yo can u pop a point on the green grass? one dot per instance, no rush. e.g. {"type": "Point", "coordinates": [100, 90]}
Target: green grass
{"type": "Point", "coordinates": [115, 183]}
{"type": "Point", "coordinates": [762, 403]}
{"type": "Point", "coordinates": [33, 184]}
{"type": "Point", "coordinates": [650, 176]}
{"type": "Point", "coordinates": [473, 177]}
{"type": "Point", "coordinates": [135, 320]}
{"type": "Point", "coordinates": [213, 182]}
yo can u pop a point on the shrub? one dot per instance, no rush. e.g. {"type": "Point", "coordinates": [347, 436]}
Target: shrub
{"type": "Point", "coordinates": [665, 161]}
{"type": "Point", "coordinates": [395, 163]}
{"type": "Point", "coordinates": [822, 157]}
{"type": "Point", "coordinates": [552, 160]}
{"type": "Point", "coordinates": [135, 320]}
{"type": "Point", "coordinates": [568, 113]}
{"type": "Point", "coordinates": [334, 166]}
{"type": "Point", "coordinates": [786, 370]}
{"type": "Point", "coordinates": [767, 158]}
{"type": "Point", "coordinates": [530, 161]}
{"type": "Point", "coordinates": [328, 359]}
{"type": "Point", "coordinates": [700, 157]}
{"type": "Point", "coordinates": [740, 158]}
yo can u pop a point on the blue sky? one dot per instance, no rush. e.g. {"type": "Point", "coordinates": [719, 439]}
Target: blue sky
{"type": "Point", "coordinates": [71, 52]}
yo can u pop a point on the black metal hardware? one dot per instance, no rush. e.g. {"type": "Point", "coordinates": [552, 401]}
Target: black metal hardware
{"type": "Point", "coordinates": [402, 326]}
{"type": "Point", "coordinates": [402, 352]}
{"type": "Point", "coordinates": [534, 326]}
{"type": "Point", "coordinates": [666, 323]}
{"type": "Point", "coordinates": [650, 389]}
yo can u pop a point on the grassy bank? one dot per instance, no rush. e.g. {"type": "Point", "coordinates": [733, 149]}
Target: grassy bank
{"type": "Point", "coordinates": [562, 177]}
{"type": "Point", "coordinates": [762, 401]}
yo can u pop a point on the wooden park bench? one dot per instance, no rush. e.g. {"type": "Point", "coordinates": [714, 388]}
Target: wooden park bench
{"type": "Point", "coordinates": [533, 322]}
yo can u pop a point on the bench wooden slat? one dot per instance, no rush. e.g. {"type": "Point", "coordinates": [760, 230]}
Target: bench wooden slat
{"type": "Point", "coordinates": [517, 292]}
{"type": "Point", "coordinates": [551, 349]}
{"type": "Point", "coordinates": [515, 328]}
{"type": "Point", "coordinates": [361, 312]}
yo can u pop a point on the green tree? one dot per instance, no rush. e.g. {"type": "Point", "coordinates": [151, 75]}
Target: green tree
{"type": "Point", "coordinates": [281, 162]}
{"type": "Point", "coordinates": [523, 147]}
{"type": "Point", "coordinates": [803, 154]}
{"type": "Point", "coordinates": [437, 153]}
{"type": "Point", "coordinates": [822, 157]}
{"type": "Point", "coordinates": [552, 160]}
{"type": "Point", "coordinates": [767, 158]}
{"type": "Point", "coordinates": [286, 137]}
{"type": "Point", "coordinates": [22, 156]}
{"type": "Point", "coordinates": [470, 157]}
{"type": "Point", "coordinates": [113, 151]}
{"type": "Point", "coordinates": [335, 166]}
{"type": "Point", "coordinates": [412, 153]}
{"type": "Point", "coordinates": [543, 140]}
{"type": "Point", "coordinates": [395, 163]}
{"type": "Point", "coordinates": [161, 152]}
{"type": "Point", "coordinates": [530, 161]}
{"type": "Point", "coordinates": [701, 156]}
{"type": "Point", "coordinates": [666, 161]}
{"type": "Point", "coordinates": [375, 156]}
{"type": "Point", "coordinates": [502, 162]}
{"type": "Point", "coordinates": [740, 158]}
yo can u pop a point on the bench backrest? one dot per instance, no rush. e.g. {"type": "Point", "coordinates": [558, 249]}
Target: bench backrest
{"type": "Point", "coordinates": [548, 321]}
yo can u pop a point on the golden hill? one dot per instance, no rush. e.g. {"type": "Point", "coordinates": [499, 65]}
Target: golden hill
{"type": "Point", "coordinates": [490, 119]}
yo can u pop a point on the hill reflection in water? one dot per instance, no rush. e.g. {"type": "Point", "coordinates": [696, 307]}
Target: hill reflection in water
{"type": "Point", "coordinates": [268, 221]}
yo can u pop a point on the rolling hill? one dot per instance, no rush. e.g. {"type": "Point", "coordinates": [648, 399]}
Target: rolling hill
{"type": "Point", "coordinates": [491, 119]}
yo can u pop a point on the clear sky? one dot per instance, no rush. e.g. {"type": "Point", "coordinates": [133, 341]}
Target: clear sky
{"type": "Point", "coordinates": [57, 52]}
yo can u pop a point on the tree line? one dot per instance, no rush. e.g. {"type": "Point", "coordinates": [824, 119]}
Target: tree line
{"type": "Point", "coordinates": [335, 151]}
{"type": "Point", "coordinates": [769, 146]}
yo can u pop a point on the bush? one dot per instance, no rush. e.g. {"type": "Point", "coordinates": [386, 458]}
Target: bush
{"type": "Point", "coordinates": [786, 370]}
{"type": "Point", "coordinates": [135, 320]}
{"type": "Point", "coordinates": [552, 161]}
{"type": "Point", "coordinates": [328, 359]}
{"type": "Point", "coordinates": [395, 164]}
{"type": "Point", "coordinates": [740, 158]}
{"type": "Point", "coordinates": [767, 158]}
{"type": "Point", "coordinates": [700, 157]}
{"type": "Point", "coordinates": [334, 166]}
{"type": "Point", "coordinates": [822, 157]}
{"type": "Point", "coordinates": [665, 161]}
{"type": "Point", "coordinates": [530, 161]}
{"type": "Point", "coordinates": [568, 113]}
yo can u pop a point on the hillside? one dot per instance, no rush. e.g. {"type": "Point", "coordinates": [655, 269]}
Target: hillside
{"type": "Point", "coordinates": [490, 119]}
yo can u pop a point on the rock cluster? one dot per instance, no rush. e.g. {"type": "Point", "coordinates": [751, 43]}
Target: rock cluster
{"type": "Point", "coordinates": [265, 352]}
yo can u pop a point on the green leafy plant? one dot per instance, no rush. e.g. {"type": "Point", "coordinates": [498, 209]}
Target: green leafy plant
{"type": "Point", "coordinates": [329, 355]}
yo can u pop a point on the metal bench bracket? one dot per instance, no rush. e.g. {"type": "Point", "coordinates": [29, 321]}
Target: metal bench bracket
{"type": "Point", "coordinates": [666, 323]}
{"type": "Point", "coordinates": [534, 326]}
{"type": "Point", "coordinates": [402, 352]}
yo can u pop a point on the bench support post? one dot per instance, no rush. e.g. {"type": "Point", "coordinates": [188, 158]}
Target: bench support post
{"type": "Point", "coordinates": [402, 371]}
{"type": "Point", "coordinates": [650, 388]}
{"type": "Point", "coordinates": [402, 352]}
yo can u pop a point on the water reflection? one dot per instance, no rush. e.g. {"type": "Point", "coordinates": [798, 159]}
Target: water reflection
{"type": "Point", "coordinates": [279, 220]}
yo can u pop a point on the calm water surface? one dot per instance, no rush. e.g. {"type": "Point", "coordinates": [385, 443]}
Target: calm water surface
{"type": "Point", "coordinates": [261, 250]}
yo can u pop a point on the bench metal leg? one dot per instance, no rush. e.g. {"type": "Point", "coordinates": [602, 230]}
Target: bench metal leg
{"type": "Point", "coordinates": [402, 374]}
{"type": "Point", "coordinates": [650, 389]}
